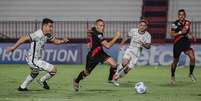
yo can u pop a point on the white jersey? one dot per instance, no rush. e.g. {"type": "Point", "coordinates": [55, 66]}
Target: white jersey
{"type": "Point", "coordinates": [136, 37]}
{"type": "Point", "coordinates": [133, 52]}
{"type": "Point", "coordinates": [38, 40]}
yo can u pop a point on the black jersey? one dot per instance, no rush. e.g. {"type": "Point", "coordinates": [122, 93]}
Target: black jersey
{"type": "Point", "coordinates": [96, 54]}
{"type": "Point", "coordinates": [178, 26]}
{"type": "Point", "coordinates": [181, 41]}
{"type": "Point", "coordinates": [96, 38]}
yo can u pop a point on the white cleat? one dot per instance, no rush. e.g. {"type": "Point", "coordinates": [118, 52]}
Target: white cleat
{"type": "Point", "coordinates": [192, 77]}
{"type": "Point", "coordinates": [173, 81]}
{"type": "Point", "coordinates": [116, 83]}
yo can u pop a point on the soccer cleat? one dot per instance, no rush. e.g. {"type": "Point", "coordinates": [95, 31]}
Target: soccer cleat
{"type": "Point", "coordinates": [43, 84]}
{"type": "Point", "coordinates": [22, 89]}
{"type": "Point", "coordinates": [76, 86]}
{"type": "Point", "coordinates": [115, 82]}
{"type": "Point", "coordinates": [192, 77]}
{"type": "Point", "coordinates": [173, 81]}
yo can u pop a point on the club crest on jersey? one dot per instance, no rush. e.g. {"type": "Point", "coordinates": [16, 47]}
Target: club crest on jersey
{"type": "Point", "coordinates": [100, 36]}
{"type": "Point", "coordinates": [174, 26]}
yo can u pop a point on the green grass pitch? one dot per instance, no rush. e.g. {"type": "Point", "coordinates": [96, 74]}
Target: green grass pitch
{"type": "Point", "coordinates": [96, 88]}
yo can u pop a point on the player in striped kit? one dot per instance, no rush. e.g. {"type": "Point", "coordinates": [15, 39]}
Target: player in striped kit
{"type": "Point", "coordinates": [139, 38]}
{"type": "Point", "coordinates": [34, 59]}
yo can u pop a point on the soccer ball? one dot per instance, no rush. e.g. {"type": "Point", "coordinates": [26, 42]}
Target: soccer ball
{"type": "Point", "coordinates": [140, 88]}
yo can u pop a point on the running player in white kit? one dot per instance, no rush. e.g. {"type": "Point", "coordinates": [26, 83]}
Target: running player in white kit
{"type": "Point", "coordinates": [139, 38]}
{"type": "Point", "coordinates": [34, 59]}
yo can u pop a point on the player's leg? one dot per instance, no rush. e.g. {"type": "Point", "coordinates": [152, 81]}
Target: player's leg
{"type": "Point", "coordinates": [190, 54]}
{"type": "Point", "coordinates": [128, 64]}
{"type": "Point", "coordinates": [34, 73]}
{"type": "Point", "coordinates": [177, 49]}
{"type": "Point", "coordinates": [51, 71]}
{"type": "Point", "coordinates": [90, 65]}
{"type": "Point", "coordinates": [113, 67]}
{"type": "Point", "coordinates": [123, 70]}
{"type": "Point", "coordinates": [126, 60]}
{"type": "Point", "coordinates": [120, 59]}
{"type": "Point", "coordinates": [173, 69]}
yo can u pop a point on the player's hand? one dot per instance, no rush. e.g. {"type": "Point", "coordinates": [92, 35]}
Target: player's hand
{"type": "Point", "coordinates": [142, 43]}
{"type": "Point", "coordinates": [10, 49]}
{"type": "Point", "coordinates": [65, 39]}
{"type": "Point", "coordinates": [117, 34]}
{"type": "Point", "coordinates": [121, 46]}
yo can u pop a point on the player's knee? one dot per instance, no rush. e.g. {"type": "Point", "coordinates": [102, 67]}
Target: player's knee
{"type": "Point", "coordinates": [53, 71]}
{"type": "Point", "coordinates": [192, 59]}
{"type": "Point", "coordinates": [175, 61]}
{"type": "Point", "coordinates": [34, 73]}
{"type": "Point", "coordinates": [86, 72]}
{"type": "Point", "coordinates": [125, 62]}
{"type": "Point", "coordinates": [114, 65]}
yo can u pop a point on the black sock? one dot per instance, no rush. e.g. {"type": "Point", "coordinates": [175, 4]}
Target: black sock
{"type": "Point", "coordinates": [112, 72]}
{"type": "Point", "coordinates": [173, 72]}
{"type": "Point", "coordinates": [191, 69]}
{"type": "Point", "coordinates": [80, 77]}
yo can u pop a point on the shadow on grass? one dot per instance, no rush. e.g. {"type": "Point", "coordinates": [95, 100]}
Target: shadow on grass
{"type": "Point", "coordinates": [178, 84]}
{"type": "Point", "coordinates": [100, 90]}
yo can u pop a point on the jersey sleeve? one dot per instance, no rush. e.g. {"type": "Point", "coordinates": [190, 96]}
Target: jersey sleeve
{"type": "Point", "coordinates": [130, 33]}
{"type": "Point", "coordinates": [99, 38]}
{"type": "Point", "coordinates": [174, 26]}
{"type": "Point", "coordinates": [33, 36]}
{"type": "Point", "coordinates": [148, 38]}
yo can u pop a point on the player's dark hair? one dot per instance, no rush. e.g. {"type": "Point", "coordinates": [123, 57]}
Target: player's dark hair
{"type": "Point", "coordinates": [181, 10]}
{"type": "Point", "coordinates": [99, 20]}
{"type": "Point", "coordinates": [46, 21]}
{"type": "Point", "coordinates": [144, 21]}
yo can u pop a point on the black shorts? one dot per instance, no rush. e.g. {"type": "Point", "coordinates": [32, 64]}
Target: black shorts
{"type": "Point", "coordinates": [92, 61]}
{"type": "Point", "coordinates": [182, 45]}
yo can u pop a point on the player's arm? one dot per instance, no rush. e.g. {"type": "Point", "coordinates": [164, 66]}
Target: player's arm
{"type": "Point", "coordinates": [124, 41]}
{"type": "Point", "coordinates": [146, 45]}
{"type": "Point", "coordinates": [59, 41]}
{"type": "Point", "coordinates": [111, 42]}
{"type": "Point", "coordinates": [173, 33]}
{"type": "Point", "coordinates": [21, 40]}
{"type": "Point", "coordinates": [193, 37]}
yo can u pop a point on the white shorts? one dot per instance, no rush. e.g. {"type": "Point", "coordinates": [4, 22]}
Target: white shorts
{"type": "Point", "coordinates": [132, 54]}
{"type": "Point", "coordinates": [40, 64]}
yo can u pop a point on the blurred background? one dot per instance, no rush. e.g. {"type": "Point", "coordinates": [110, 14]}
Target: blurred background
{"type": "Point", "coordinates": [73, 17]}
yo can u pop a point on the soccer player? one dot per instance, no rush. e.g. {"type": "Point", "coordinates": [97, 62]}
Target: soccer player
{"type": "Point", "coordinates": [96, 54]}
{"type": "Point", "coordinates": [139, 38]}
{"type": "Point", "coordinates": [180, 30]}
{"type": "Point", "coordinates": [34, 59]}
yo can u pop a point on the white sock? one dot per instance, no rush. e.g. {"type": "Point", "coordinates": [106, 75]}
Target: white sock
{"type": "Point", "coordinates": [46, 77]}
{"type": "Point", "coordinates": [26, 82]}
{"type": "Point", "coordinates": [119, 67]}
